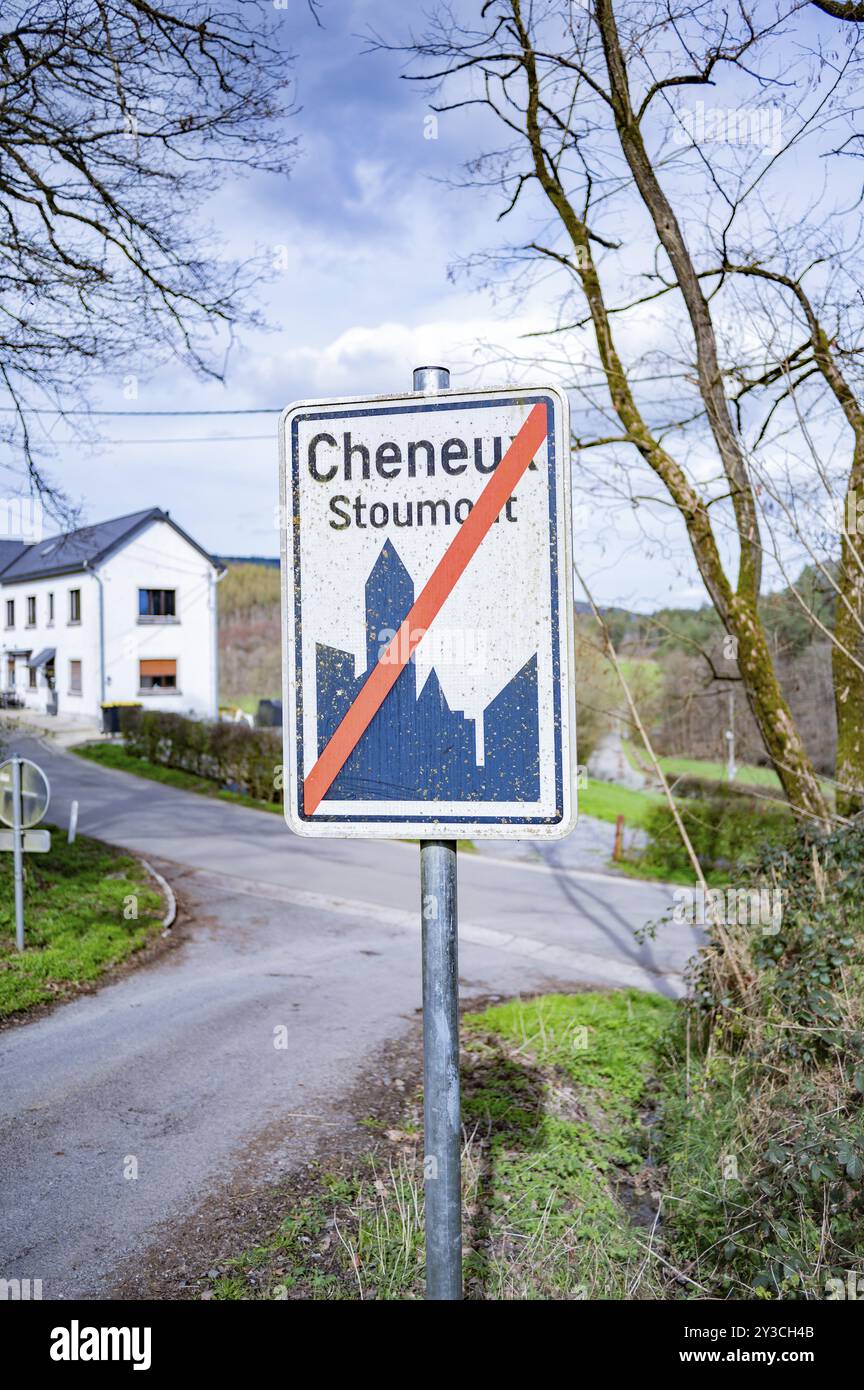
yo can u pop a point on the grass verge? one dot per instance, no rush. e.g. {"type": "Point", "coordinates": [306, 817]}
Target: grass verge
{"type": "Point", "coordinates": [553, 1189]}
{"type": "Point", "coordinates": [78, 922]}
{"type": "Point", "coordinates": [605, 801]}
{"type": "Point", "coordinates": [658, 873]}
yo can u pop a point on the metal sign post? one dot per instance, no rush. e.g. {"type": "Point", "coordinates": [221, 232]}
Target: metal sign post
{"type": "Point", "coordinates": [442, 1123]}
{"type": "Point", "coordinates": [18, 853]}
{"type": "Point", "coordinates": [428, 682]}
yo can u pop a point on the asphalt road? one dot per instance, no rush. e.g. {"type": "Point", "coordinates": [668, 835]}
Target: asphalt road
{"type": "Point", "coordinates": [175, 1066]}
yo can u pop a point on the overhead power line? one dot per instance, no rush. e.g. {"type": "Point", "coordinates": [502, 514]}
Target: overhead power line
{"type": "Point", "coordinates": [254, 410]}
{"type": "Point", "coordinates": [193, 439]}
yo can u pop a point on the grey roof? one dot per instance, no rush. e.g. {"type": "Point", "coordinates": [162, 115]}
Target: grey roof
{"type": "Point", "coordinates": [86, 547]}
{"type": "Point", "coordinates": [8, 552]}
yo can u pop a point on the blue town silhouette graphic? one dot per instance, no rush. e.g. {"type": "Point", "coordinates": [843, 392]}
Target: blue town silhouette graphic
{"type": "Point", "coordinates": [416, 748]}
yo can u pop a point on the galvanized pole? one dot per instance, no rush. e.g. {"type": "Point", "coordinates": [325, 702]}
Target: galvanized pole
{"type": "Point", "coordinates": [441, 1110]}
{"type": "Point", "coordinates": [17, 853]}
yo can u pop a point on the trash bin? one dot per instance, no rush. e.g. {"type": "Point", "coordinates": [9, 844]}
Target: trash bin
{"type": "Point", "coordinates": [269, 714]}
{"type": "Point", "coordinates": [111, 714]}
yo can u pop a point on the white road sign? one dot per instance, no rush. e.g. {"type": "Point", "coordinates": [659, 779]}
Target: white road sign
{"type": "Point", "coordinates": [32, 841]}
{"type": "Point", "coordinates": [428, 616]}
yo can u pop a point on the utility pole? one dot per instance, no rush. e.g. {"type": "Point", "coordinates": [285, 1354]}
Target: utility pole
{"type": "Point", "coordinates": [731, 769]}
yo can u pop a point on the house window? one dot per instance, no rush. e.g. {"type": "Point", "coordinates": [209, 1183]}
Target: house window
{"type": "Point", "coordinates": [50, 610]}
{"type": "Point", "coordinates": [74, 677]}
{"type": "Point", "coordinates": [157, 603]}
{"type": "Point", "coordinates": [74, 605]}
{"type": "Point", "coordinates": [158, 675]}
{"type": "Point", "coordinates": [31, 610]}
{"type": "Point", "coordinates": [10, 612]}
{"type": "Point", "coordinates": [31, 677]}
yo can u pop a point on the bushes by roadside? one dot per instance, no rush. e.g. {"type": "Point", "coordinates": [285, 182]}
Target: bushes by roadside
{"type": "Point", "coordinates": [726, 830]}
{"type": "Point", "coordinates": [762, 1116]}
{"type": "Point", "coordinates": [233, 755]}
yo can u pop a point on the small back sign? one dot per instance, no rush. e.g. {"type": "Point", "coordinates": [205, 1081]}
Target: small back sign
{"type": "Point", "coordinates": [428, 616]}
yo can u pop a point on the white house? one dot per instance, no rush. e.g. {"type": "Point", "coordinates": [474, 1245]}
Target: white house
{"type": "Point", "coordinates": [124, 610]}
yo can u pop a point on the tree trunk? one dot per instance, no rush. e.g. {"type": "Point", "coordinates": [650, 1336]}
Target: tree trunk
{"type": "Point", "coordinates": [849, 632]}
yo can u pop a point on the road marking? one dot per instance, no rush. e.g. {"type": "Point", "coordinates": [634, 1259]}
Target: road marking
{"type": "Point", "coordinates": [171, 909]}
{"type": "Point", "coordinates": [584, 965]}
{"type": "Point", "coordinates": [426, 608]}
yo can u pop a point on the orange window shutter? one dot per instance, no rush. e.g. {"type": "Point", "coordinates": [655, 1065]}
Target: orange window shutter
{"type": "Point", "coordinates": [158, 668]}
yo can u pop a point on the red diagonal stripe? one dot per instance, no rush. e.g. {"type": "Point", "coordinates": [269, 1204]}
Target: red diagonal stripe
{"type": "Point", "coordinates": [425, 609]}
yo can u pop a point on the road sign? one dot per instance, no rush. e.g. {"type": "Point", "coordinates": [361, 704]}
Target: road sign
{"type": "Point", "coordinates": [24, 798]}
{"type": "Point", "coordinates": [428, 616]}
{"type": "Point", "coordinates": [35, 792]}
{"type": "Point", "coordinates": [32, 841]}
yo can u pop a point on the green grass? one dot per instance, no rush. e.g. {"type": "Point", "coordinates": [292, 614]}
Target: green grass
{"type": "Point", "coordinates": [552, 1095]}
{"type": "Point", "coordinates": [605, 801]}
{"type": "Point", "coordinates": [715, 878]}
{"type": "Point", "coordinates": [716, 772]}
{"type": "Point", "coordinates": [114, 755]}
{"type": "Point", "coordinates": [78, 901]}
{"type": "Point", "coordinates": [747, 776]}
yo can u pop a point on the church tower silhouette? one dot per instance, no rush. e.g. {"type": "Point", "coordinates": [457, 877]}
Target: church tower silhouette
{"type": "Point", "coordinates": [416, 748]}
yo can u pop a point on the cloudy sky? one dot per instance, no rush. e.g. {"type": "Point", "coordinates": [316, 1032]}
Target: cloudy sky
{"type": "Point", "coordinates": [360, 238]}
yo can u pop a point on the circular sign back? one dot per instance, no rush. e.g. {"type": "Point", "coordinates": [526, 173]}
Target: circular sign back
{"type": "Point", "coordinates": [35, 793]}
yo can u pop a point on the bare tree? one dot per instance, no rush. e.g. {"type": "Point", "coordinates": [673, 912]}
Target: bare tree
{"type": "Point", "coordinates": [118, 119]}
{"type": "Point", "coordinates": [632, 197]}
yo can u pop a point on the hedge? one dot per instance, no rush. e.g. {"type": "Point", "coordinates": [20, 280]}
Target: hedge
{"type": "Point", "coordinates": [247, 760]}
{"type": "Point", "coordinates": [725, 830]}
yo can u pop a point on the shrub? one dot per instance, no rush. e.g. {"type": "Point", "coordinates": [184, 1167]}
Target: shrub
{"type": "Point", "coordinates": [725, 830]}
{"type": "Point", "coordinates": [245, 759]}
{"type": "Point", "coordinates": [762, 1126]}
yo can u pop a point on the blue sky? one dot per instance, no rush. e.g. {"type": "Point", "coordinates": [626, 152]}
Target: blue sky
{"type": "Point", "coordinates": [360, 237]}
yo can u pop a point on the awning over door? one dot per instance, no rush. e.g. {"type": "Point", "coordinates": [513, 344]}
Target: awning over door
{"type": "Point", "coordinates": [46, 654]}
